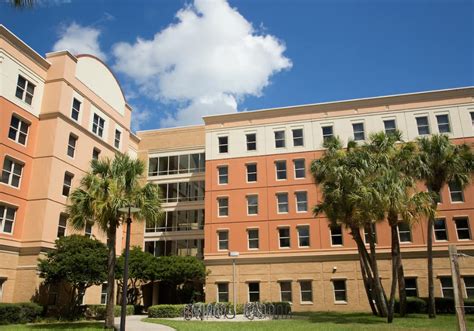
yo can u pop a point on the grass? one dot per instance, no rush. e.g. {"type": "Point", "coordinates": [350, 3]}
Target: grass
{"type": "Point", "coordinates": [55, 326]}
{"type": "Point", "coordinates": [329, 321]}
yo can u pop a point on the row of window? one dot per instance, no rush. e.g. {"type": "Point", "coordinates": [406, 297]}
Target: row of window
{"type": "Point", "coordinates": [183, 191]}
{"type": "Point", "coordinates": [176, 164]}
{"type": "Point", "coordinates": [62, 227]}
{"type": "Point", "coordinates": [179, 220]}
{"type": "Point", "coordinates": [184, 247]}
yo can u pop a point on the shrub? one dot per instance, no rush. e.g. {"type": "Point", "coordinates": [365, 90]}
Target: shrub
{"type": "Point", "coordinates": [414, 306]}
{"type": "Point", "coordinates": [19, 312]}
{"type": "Point", "coordinates": [165, 311]}
{"type": "Point", "coordinates": [98, 312]}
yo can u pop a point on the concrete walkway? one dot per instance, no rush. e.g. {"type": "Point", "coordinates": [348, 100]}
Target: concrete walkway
{"type": "Point", "coordinates": [134, 323]}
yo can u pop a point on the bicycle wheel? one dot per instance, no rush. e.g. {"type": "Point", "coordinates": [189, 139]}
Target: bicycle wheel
{"type": "Point", "coordinates": [229, 312]}
{"type": "Point", "coordinates": [188, 312]}
{"type": "Point", "coordinates": [249, 311]}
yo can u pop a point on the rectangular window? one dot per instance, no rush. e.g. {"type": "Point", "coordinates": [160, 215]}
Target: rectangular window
{"type": "Point", "coordinates": [95, 153]}
{"type": "Point", "coordinates": [88, 230]}
{"type": "Point", "coordinates": [298, 139]}
{"type": "Point", "coordinates": [223, 144]}
{"type": "Point", "coordinates": [76, 108]}
{"type": "Point", "coordinates": [7, 219]}
{"type": "Point", "coordinates": [366, 233]}
{"type": "Point", "coordinates": [252, 204]}
{"type": "Point", "coordinates": [469, 286]}
{"type": "Point", "coordinates": [306, 291]}
{"type": "Point", "coordinates": [328, 132]}
{"type": "Point", "coordinates": [253, 238]}
{"type": "Point", "coordinates": [71, 145]}
{"type": "Point", "coordinates": [339, 290]}
{"type": "Point", "coordinates": [251, 172]}
{"type": "Point", "coordinates": [455, 191]}
{"type": "Point", "coordinates": [336, 235]}
{"type": "Point", "coordinates": [423, 125]}
{"type": "Point", "coordinates": [443, 123]}
{"type": "Point", "coordinates": [358, 129]}
{"type": "Point", "coordinates": [301, 202]}
{"type": "Point", "coordinates": [98, 124]}
{"type": "Point", "coordinates": [24, 90]}
{"type": "Point", "coordinates": [223, 240]}
{"type": "Point", "coordinates": [390, 126]}
{"type": "Point", "coordinates": [67, 183]}
{"type": "Point", "coordinates": [12, 170]}
{"type": "Point", "coordinates": [254, 292]}
{"type": "Point", "coordinates": [462, 228]}
{"type": "Point", "coordinates": [251, 141]}
{"type": "Point", "coordinates": [223, 292]}
{"type": "Point", "coordinates": [472, 118]}
{"type": "Point", "coordinates": [103, 294]}
{"type": "Point", "coordinates": [447, 287]}
{"type": "Point", "coordinates": [282, 203]}
{"type": "Point", "coordinates": [117, 137]}
{"type": "Point", "coordinates": [285, 292]}
{"type": "Point", "coordinates": [411, 288]}
{"type": "Point", "coordinates": [62, 225]}
{"type": "Point", "coordinates": [18, 130]}
{"type": "Point", "coordinates": [223, 206]}
{"type": "Point", "coordinates": [280, 167]}
{"type": "Point", "coordinates": [284, 237]}
{"type": "Point", "coordinates": [223, 174]}
{"type": "Point", "coordinates": [279, 139]}
{"type": "Point", "coordinates": [170, 165]}
{"type": "Point", "coordinates": [440, 229]}
{"type": "Point", "coordinates": [404, 232]}
{"type": "Point", "coordinates": [300, 169]}
{"type": "Point", "coordinates": [303, 236]}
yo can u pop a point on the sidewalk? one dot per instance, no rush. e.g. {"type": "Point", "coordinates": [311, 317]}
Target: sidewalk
{"type": "Point", "coordinates": [134, 323]}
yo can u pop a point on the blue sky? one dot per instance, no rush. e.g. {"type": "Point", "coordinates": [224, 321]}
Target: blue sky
{"type": "Point", "coordinates": [218, 57]}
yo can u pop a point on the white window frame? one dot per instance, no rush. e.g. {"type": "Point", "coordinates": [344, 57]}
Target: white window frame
{"type": "Point", "coordinates": [446, 288]}
{"type": "Point", "coordinates": [251, 173]}
{"type": "Point", "coordinates": [344, 290]}
{"type": "Point", "coordinates": [78, 110]}
{"type": "Point", "coordinates": [11, 172]}
{"type": "Point", "coordinates": [331, 235]}
{"type": "Point", "coordinates": [257, 239]}
{"type": "Point", "coordinates": [427, 124]}
{"type": "Point", "coordinates": [275, 132]}
{"type": "Point", "coordinates": [298, 194]}
{"type": "Point", "coordinates": [219, 207]}
{"type": "Point", "coordinates": [69, 186]}
{"type": "Point", "coordinates": [94, 151]}
{"type": "Point", "coordinates": [277, 171]}
{"type": "Point", "coordinates": [72, 146]}
{"type": "Point", "coordinates": [306, 291]}
{"type": "Point", "coordinates": [18, 130]}
{"type": "Point", "coordinates": [327, 136]}
{"type": "Point", "coordinates": [277, 195]}
{"type": "Point", "coordinates": [411, 288]}
{"type": "Point", "coordinates": [470, 288]}
{"type": "Point", "coordinates": [302, 237]}
{"type": "Point", "coordinates": [451, 192]}
{"type": "Point", "coordinates": [445, 230]}
{"type": "Point", "coordinates": [219, 144]}
{"type": "Point", "coordinates": [88, 230]}
{"type": "Point", "coordinates": [219, 293]}
{"type": "Point", "coordinates": [24, 90]}
{"type": "Point", "coordinates": [450, 130]}
{"type": "Point", "coordinates": [221, 241]}
{"type": "Point", "coordinates": [248, 290]}
{"type": "Point", "coordinates": [297, 138]}
{"type": "Point", "coordinates": [3, 218]}
{"type": "Point", "coordinates": [247, 141]}
{"type": "Point", "coordinates": [103, 296]}
{"type": "Point", "coordinates": [295, 168]}
{"type": "Point", "coordinates": [405, 231]}
{"type": "Point", "coordinates": [354, 132]}
{"type": "Point", "coordinates": [280, 237]}
{"type": "Point", "coordinates": [366, 233]}
{"type": "Point", "coordinates": [222, 176]}
{"type": "Point", "coordinates": [252, 204]}
{"type": "Point", "coordinates": [468, 229]}
{"type": "Point", "coordinates": [387, 119]}
{"type": "Point", "coordinates": [286, 292]}
{"type": "Point", "coordinates": [119, 130]}
{"type": "Point", "coordinates": [62, 217]}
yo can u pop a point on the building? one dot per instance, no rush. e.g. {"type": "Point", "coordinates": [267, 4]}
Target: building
{"type": "Point", "coordinates": [57, 113]}
{"type": "Point", "coordinates": [259, 195]}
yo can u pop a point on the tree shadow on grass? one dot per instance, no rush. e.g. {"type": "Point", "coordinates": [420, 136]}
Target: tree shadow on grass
{"type": "Point", "coordinates": [345, 318]}
{"type": "Point", "coordinates": [68, 326]}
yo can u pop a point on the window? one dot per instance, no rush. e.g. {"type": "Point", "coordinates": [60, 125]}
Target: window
{"type": "Point", "coordinates": [300, 170]}
{"type": "Point", "coordinates": [223, 175]}
{"type": "Point", "coordinates": [472, 118]}
{"type": "Point", "coordinates": [223, 240]}
{"type": "Point", "coordinates": [284, 237]}
{"type": "Point", "coordinates": [469, 286]}
{"type": "Point", "coordinates": [254, 292]}
{"type": "Point", "coordinates": [103, 294]}
{"type": "Point", "coordinates": [182, 191]}
{"type": "Point", "coordinates": [95, 153]}
{"type": "Point", "coordinates": [181, 220]}
{"type": "Point", "coordinates": [88, 230]}
{"type": "Point", "coordinates": [279, 139]}
{"type": "Point", "coordinates": [306, 291]}
{"type": "Point", "coordinates": [98, 124]}
{"type": "Point", "coordinates": [285, 292]}
{"type": "Point", "coordinates": [336, 235]}
{"type": "Point", "coordinates": [173, 164]}
{"type": "Point", "coordinates": [76, 108]}
{"type": "Point", "coordinates": [25, 90]}
{"type": "Point", "coordinates": [327, 132]}
{"type": "Point", "coordinates": [67, 183]}
{"type": "Point", "coordinates": [251, 172]}
{"type": "Point", "coordinates": [71, 145]}
{"type": "Point", "coordinates": [462, 228]}
{"type": "Point", "coordinates": [390, 126]}
{"type": "Point", "coordinates": [298, 139]}
{"type": "Point", "coordinates": [253, 238]}
{"type": "Point", "coordinates": [440, 229]}
{"type": "Point", "coordinates": [117, 137]}
{"type": "Point", "coordinates": [301, 202]}
{"type": "Point", "coordinates": [447, 287]}
{"type": "Point", "coordinates": [358, 129]}
{"type": "Point", "coordinates": [223, 205]}
{"type": "Point", "coordinates": [280, 167]}
{"type": "Point", "coordinates": [411, 288]}
{"type": "Point", "coordinates": [282, 202]}
{"type": "Point", "coordinates": [18, 130]}
{"type": "Point", "coordinates": [404, 232]}
{"type": "Point", "coordinates": [223, 144]}
{"type": "Point", "coordinates": [62, 225]}
{"type": "Point", "coordinates": [366, 233]}
{"type": "Point", "coordinates": [303, 236]}
{"type": "Point", "coordinates": [443, 123]}
{"type": "Point", "coordinates": [7, 218]}
{"type": "Point", "coordinates": [455, 191]}
{"type": "Point", "coordinates": [252, 204]}
{"type": "Point", "coordinates": [223, 292]}
{"type": "Point", "coordinates": [251, 141]}
{"type": "Point", "coordinates": [423, 125]}
{"type": "Point", "coordinates": [11, 173]}
{"type": "Point", "coordinates": [339, 290]}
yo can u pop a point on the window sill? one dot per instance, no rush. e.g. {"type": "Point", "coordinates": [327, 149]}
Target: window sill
{"type": "Point", "coordinates": [11, 186]}
{"type": "Point", "coordinates": [340, 302]}
{"type": "Point", "coordinates": [306, 303]}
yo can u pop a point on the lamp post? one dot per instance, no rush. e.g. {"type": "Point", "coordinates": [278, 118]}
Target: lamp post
{"type": "Point", "coordinates": [234, 255]}
{"type": "Point", "coordinates": [129, 210]}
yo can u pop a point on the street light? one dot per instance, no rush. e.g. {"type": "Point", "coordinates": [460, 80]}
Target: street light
{"type": "Point", "coordinates": [234, 255]}
{"type": "Point", "coordinates": [129, 210]}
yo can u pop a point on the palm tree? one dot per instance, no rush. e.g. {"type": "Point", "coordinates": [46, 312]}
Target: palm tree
{"type": "Point", "coordinates": [441, 162]}
{"type": "Point", "coordinates": [107, 187]}
{"type": "Point", "coordinates": [22, 3]}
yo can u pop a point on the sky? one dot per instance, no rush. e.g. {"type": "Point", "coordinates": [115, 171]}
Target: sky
{"type": "Point", "coordinates": [180, 60]}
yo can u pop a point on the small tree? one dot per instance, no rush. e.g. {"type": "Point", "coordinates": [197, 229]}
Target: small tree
{"type": "Point", "coordinates": [78, 261]}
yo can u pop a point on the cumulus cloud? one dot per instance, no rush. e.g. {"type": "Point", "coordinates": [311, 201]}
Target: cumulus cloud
{"type": "Point", "coordinates": [209, 60]}
{"type": "Point", "coordinates": [79, 39]}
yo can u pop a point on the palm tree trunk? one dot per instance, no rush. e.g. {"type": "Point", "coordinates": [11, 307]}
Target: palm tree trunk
{"type": "Point", "coordinates": [395, 254]}
{"type": "Point", "coordinates": [367, 286]}
{"type": "Point", "coordinates": [429, 241]}
{"type": "Point", "coordinates": [111, 239]}
{"type": "Point", "coordinates": [377, 283]}
{"type": "Point", "coordinates": [402, 294]}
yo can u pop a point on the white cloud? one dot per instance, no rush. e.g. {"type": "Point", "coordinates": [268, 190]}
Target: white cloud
{"type": "Point", "coordinates": [140, 116]}
{"type": "Point", "coordinates": [79, 39]}
{"type": "Point", "coordinates": [209, 60]}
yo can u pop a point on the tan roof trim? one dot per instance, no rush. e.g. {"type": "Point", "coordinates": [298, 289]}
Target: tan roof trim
{"type": "Point", "coordinates": [134, 137]}
{"type": "Point", "coordinates": [61, 53]}
{"type": "Point", "coordinates": [173, 130]}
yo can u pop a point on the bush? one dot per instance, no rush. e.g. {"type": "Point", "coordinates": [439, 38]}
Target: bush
{"type": "Point", "coordinates": [414, 306]}
{"type": "Point", "coordinates": [165, 311]}
{"type": "Point", "coordinates": [98, 312]}
{"type": "Point", "coordinates": [443, 305]}
{"type": "Point", "coordinates": [19, 312]}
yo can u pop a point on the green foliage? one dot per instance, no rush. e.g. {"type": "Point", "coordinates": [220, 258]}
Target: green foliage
{"type": "Point", "coordinates": [414, 306]}
{"type": "Point", "coordinates": [141, 265]}
{"type": "Point", "coordinates": [443, 305]}
{"type": "Point", "coordinates": [98, 312]}
{"type": "Point", "coordinates": [180, 269]}
{"type": "Point", "coordinates": [165, 311]}
{"type": "Point", "coordinates": [19, 312]}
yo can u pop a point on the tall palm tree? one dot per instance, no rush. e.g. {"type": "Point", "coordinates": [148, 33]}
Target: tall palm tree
{"type": "Point", "coordinates": [441, 162]}
{"type": "Point", "coordinates": [107, 187]}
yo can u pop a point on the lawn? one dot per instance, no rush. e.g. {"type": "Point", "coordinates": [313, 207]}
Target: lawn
{"type": "Point", "coordinates": [324, 321]}
{"type": "Point", "coordinates": [55, 326]}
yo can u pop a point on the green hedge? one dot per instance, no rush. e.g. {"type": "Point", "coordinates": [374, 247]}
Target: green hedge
{"type": "Point", "coordinates": [165, 311]}
{"type": "Point", "coordinates": [443, 305]}
{"type": "Point", "coordinates": [414, 306]}
{"type": "Point", "coordinates": [19, 313]}
{"type": "Point", "coordinates": [98, 312]}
